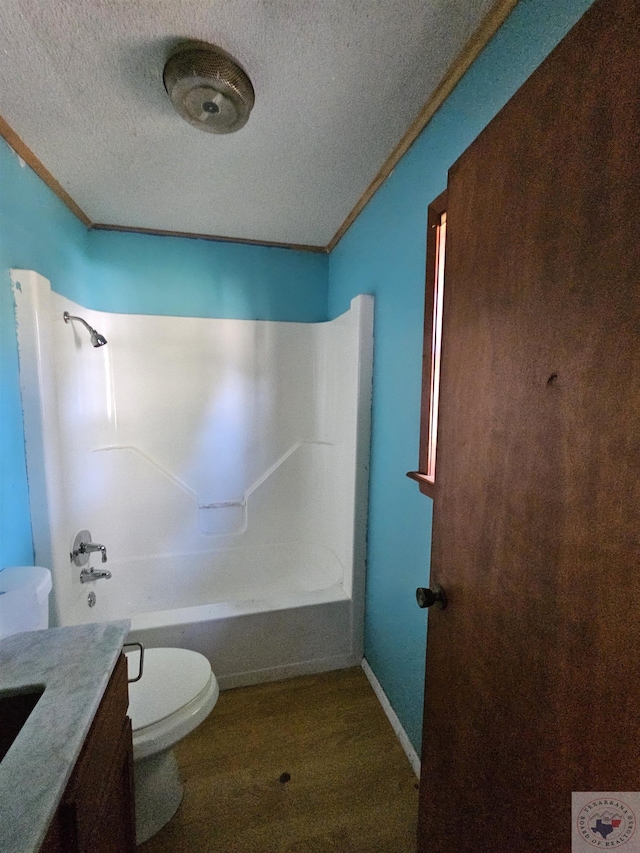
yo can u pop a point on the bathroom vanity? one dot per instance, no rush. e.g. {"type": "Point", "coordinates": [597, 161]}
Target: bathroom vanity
{"type": "Point", "coordinates": [66, 763]}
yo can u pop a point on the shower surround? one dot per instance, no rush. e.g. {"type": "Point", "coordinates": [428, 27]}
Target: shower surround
{"type": "Point", "coordinates": [223, 464]}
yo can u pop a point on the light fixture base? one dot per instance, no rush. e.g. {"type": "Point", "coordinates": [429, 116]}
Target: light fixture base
{"type": "Point", "coordinates": [208, 88]}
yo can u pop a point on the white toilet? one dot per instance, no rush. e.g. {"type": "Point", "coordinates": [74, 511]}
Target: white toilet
{"type": "Point", "coordinates": [24, 599]}
{"type": "Point", "coordinates": [176, 693]}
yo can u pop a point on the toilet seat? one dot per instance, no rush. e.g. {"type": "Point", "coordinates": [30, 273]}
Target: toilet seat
{"type": "Point", "coordinates": [175, 694]}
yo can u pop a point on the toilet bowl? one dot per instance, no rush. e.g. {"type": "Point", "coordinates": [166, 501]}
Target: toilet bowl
{"type": "Point", "coordinates": [176, 693]}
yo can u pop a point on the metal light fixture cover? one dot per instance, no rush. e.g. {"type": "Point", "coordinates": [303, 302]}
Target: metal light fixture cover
{"type": "Point", "coordinates": [208, 88]}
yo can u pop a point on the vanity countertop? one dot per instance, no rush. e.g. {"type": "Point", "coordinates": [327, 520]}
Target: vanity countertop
{"type": "Point", "coordinates": [74, 665]}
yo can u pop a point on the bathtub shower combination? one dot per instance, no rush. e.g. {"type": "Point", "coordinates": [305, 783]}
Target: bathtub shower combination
{"type": "Point", "coordinates": [223, 466]}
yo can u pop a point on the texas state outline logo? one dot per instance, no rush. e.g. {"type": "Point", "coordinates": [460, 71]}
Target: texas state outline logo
{"type": "Point", "coordinates": [604, 821]}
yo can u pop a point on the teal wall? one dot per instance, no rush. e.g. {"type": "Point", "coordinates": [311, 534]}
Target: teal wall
{"type": "Point", "coordinates": [37, 232]}
{"type": "Point", "coordinates": [130, 273]}
{"type": "Point", "coordinates": [147, 274]}
{"type": "Point", "coordinates": [384, 253]}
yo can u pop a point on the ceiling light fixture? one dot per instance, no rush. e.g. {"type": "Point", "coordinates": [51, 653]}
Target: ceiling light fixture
{"type": "Point", "coordinates": [208, 88]}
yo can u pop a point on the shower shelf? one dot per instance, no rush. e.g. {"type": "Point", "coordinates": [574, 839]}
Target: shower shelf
{"type": "Point", "coordinates": [240, 503]}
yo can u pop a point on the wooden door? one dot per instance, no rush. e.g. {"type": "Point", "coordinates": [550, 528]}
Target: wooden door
{"type": "Point", "coordinates": [533, 670]}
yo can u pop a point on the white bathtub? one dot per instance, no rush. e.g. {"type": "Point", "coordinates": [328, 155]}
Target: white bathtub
{"type": "Point", "coordinates": [222, 463]}
{"type": "Point", "coordinates": [256, 614]}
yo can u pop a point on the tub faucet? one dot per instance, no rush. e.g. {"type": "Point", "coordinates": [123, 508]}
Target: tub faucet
{"type": "Point", "coordinates": [87, 575]}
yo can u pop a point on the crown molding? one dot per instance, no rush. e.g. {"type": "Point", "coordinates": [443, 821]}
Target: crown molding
{"type": "Point", "coordinates": [298, 247]}
{"type": "Point", "coordinates": [23, 151]}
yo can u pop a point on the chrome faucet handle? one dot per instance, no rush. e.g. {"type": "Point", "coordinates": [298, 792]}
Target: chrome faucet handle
{"type": "Point", "coordinates": [90, 547]}
{"type": "Point", "coordinates": [83, 547]}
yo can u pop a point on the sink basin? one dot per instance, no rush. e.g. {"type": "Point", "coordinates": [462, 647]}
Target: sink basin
{"type": "Point", "coordinates": [15, 708]}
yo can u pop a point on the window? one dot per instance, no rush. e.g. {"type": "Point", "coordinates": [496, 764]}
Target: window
{"type": "Point", "coordinates": [434, 293]}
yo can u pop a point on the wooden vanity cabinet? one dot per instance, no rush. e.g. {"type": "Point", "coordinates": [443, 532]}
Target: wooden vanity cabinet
{"type": "Point", "coordinates": [96, 814]}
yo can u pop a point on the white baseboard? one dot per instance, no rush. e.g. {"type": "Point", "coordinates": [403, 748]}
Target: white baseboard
{"type": "Point", "coordinates": [396, 725]}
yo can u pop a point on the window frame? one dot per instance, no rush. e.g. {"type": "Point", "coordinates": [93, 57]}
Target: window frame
{"type": "Point", "coordinates": [430, 358]}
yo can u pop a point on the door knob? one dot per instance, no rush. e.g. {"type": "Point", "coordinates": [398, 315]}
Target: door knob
{"type": "Point", "coordinates": [428, 597]}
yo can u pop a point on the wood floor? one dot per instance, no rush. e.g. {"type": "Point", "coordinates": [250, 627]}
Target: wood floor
{"type": "Point", "coordinates": [309, 765]}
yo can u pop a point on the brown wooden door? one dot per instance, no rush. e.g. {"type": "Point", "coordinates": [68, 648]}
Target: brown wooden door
{"type": "Point", "coordinates": [533, 670]}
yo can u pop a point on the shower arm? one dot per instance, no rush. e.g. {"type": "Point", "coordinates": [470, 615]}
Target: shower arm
{"type": "Point", "coordinates": [97, 340]}
{"type": "Point", "coordinates": [68, 317]}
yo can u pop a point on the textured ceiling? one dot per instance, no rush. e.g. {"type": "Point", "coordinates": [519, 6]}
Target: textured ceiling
{"type": "Point", "coordinates": [337, 84]}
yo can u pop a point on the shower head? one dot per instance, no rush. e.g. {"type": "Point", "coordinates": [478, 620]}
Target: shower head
{"type": "Point", "coordinates": [97, 340]}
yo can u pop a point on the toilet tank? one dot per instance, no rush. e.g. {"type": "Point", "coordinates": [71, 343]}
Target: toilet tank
{"type": "Point", "coordinates": [24, 599]}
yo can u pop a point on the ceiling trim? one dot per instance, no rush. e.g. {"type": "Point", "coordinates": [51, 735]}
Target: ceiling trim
{"type": "Point", "coordinates": [485, 32]}
{"type": "Point", "coordinates": [494, 19]}
{"type": "Point", "coordinates": [23, 151]}
{"type": "Point", "coordinates": [299, 247]}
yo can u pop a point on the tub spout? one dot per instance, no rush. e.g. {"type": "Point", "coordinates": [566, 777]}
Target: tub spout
{"type": "Point", "coordinates": [87, 575]}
